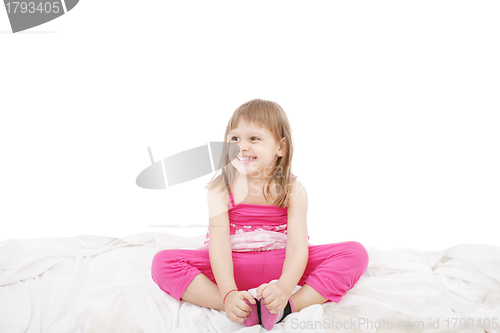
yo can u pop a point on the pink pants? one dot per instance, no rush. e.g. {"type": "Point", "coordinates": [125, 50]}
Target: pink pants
{"type": "Point", "coordinates": [332, 269]}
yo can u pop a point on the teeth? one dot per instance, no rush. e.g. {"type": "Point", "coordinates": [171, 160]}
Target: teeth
{"type": "Point", "coordinates": [247, 158]}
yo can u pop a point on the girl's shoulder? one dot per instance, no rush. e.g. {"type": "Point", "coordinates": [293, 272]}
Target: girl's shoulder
{"type": "Point", "coordinates": [218, 193]}
{"type": "Point", "coordinates": [217, 199]}
{"type": "Point", "coordinates": [297, 192]}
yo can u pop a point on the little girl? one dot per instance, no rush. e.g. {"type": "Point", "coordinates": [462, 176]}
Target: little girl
{"type": "Point", "coordinates": [258, 233]}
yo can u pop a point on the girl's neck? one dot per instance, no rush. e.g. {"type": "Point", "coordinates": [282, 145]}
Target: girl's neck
{"type": "Point", "coordinates": [251, 191]}
{"type": "Point", "coordinates": [251, 181]}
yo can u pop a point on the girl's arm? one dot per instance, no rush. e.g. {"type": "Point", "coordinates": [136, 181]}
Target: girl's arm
{"type": "Point", "coordinates": [297, 249]}
{"type": "Point", "coordinates": [219, 247]}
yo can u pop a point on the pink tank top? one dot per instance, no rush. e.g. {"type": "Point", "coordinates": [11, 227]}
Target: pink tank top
{"type": "Point", "coordinates": [255, 227]}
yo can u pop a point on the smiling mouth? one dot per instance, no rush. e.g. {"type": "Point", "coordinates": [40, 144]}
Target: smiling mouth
{"type": "Point", "coordinates": [246, 159]}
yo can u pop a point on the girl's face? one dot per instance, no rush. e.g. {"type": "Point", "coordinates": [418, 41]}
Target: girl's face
{"type": "Point", "coordinates": [259, 145]}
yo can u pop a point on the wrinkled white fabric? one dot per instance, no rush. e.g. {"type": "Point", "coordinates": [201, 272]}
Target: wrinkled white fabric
{"type": "Point", "coordinates": [103, 284]}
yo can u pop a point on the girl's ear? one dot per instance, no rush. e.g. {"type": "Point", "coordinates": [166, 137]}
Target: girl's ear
{"type": "Point", "coordinates": [282, 144]}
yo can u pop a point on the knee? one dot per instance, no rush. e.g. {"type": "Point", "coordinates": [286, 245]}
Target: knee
{"type": "Point", "coordinates": [360, 255]}
{"type": "Point", "coordinates": [160, 257]}
{"type": "Point", "coordinates": [162, 261]}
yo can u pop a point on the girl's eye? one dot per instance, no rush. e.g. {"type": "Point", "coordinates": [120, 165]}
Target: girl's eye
{"type": "Point", "coordinates": [234, 137]}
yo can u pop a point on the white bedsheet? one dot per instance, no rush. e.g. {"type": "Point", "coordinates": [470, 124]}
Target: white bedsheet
{"type": "Point", "coordinates": [103, 284]}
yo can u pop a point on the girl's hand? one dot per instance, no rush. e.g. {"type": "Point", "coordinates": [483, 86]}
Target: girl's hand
{"type": "Point", "coordinates": [273, 296]}
{"type": "Point", "coordinates": [235, 307]}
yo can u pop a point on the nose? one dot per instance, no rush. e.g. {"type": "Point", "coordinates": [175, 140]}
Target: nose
{"type": "Point", "coordinates": [243, 147]}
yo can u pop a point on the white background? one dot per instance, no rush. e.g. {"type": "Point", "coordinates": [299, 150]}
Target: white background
{"type": "Point", "coordinates": [394, 108]}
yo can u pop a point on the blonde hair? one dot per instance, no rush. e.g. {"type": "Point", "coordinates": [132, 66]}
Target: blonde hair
{"type": "Point", "coordinates": [270, 115]}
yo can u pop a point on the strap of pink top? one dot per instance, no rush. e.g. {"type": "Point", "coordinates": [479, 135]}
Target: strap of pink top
{"type": "Point", "coordinates": [293, 177]}
{"type": "Point", "coordinates": [232, 199]}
